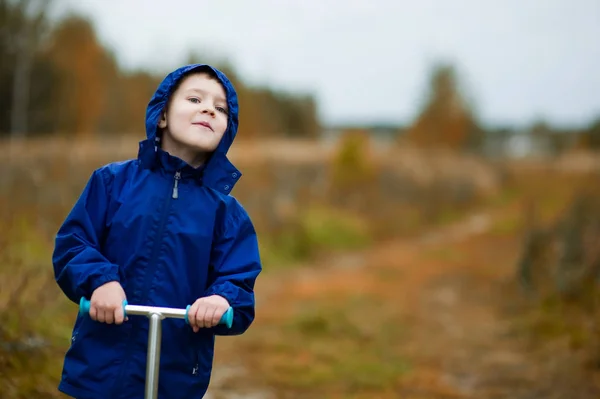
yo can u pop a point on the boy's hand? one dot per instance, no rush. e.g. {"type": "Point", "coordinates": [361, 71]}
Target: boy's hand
{"type": "Point", "coordinates": [207, 312]}
{"type": "Point", "coordinates": [106, 304]}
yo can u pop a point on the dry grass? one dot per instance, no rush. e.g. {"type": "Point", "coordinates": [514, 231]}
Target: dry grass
{"type": "Point", "coordinates": [422, 318]}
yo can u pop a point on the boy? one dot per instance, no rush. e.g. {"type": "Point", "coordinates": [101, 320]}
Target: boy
{"type": "Point", "coordinates": [160, 230]}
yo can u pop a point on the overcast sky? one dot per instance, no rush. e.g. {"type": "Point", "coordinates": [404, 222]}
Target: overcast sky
{"type": "Point", "coordinates": [368, 60]}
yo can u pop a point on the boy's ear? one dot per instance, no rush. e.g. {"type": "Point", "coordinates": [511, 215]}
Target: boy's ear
{"type": "Point", "coordinates": [162, 123]}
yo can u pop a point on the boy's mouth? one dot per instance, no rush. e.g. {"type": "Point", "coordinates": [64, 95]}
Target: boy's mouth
{"type": "Point", "coordinates": [205, 124]}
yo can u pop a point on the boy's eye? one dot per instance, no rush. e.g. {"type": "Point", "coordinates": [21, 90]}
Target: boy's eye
{"type": "Point", "coordinates": [196, 100]}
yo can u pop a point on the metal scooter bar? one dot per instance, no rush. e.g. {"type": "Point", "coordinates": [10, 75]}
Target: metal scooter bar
{"type": "Point", "coordinates": [165, 312]}
{"type": "Point", "coordinates": [226, 319]}
{"type": "Point", "coordinates": [155, 315]}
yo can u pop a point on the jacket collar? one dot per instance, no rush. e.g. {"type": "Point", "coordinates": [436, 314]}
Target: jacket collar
{"type": "Point", "coordinates": [217, 173]}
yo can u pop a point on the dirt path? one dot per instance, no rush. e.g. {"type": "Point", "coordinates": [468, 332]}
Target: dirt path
{"type": "Point", "coordinates": [450, 287]}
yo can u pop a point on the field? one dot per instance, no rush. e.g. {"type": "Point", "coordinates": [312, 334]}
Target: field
{"type": "Point", "coordinates": [388, 272]}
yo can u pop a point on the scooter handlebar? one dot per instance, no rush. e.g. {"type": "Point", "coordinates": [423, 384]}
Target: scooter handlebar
{"type": "Point", "coordinates": [226, 319]}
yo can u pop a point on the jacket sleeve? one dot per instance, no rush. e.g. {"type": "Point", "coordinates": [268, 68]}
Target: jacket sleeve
{"type": "Point", "coordinates": [79, 266]}
{"type": "Point", "coordinates": [236, 263]}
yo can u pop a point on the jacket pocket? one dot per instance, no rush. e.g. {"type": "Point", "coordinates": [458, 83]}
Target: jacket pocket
{"type": "Point", "coordinates": [77, 328]}
{"type": "Point", "coordinates": [201, 347]}
{"type": "Point", "coordinates": [196, 364]}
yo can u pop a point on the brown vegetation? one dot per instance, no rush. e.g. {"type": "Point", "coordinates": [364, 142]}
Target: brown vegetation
{"type": "Point", "coordinates": [367, 254]}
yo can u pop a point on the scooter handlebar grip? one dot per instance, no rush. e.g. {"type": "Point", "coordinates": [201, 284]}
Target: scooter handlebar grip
{"type": "Point", "coordinates": [226, 319]}
{"type": "Point", "coordinates": [84, 306]}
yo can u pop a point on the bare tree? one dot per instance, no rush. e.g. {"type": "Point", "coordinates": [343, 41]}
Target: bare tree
{"type": "Point", "coordinates": [26, 40]}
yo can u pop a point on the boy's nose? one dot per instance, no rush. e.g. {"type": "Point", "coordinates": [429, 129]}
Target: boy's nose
{"type": "Point", "coordinates": [208, 109]}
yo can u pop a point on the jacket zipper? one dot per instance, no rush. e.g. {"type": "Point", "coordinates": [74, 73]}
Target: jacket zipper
{"type": "Point", "coordinates": [159, 234]}
{"type": "Point", "coordinates": [176, 185]}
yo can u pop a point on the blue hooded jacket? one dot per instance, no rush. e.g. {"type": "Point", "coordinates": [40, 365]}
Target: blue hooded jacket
{"type": "Point", "coordinates": [165, 250]}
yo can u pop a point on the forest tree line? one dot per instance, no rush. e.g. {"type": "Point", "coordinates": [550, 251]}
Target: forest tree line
{"type": "Point", "coordinates": [57, 78]}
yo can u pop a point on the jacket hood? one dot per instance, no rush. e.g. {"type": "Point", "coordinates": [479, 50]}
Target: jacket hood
{"type": "Point", "coordinates": [165, 90]}
{"type": "Point", "coordinates": [218, 172]}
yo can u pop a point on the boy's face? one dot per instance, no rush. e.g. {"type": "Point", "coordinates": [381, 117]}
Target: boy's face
{"type": "Point", "coordinates": [196, 118]}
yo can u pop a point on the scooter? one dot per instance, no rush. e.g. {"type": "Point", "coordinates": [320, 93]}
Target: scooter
{"type": "Point", "coordinates": [156, 315]}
